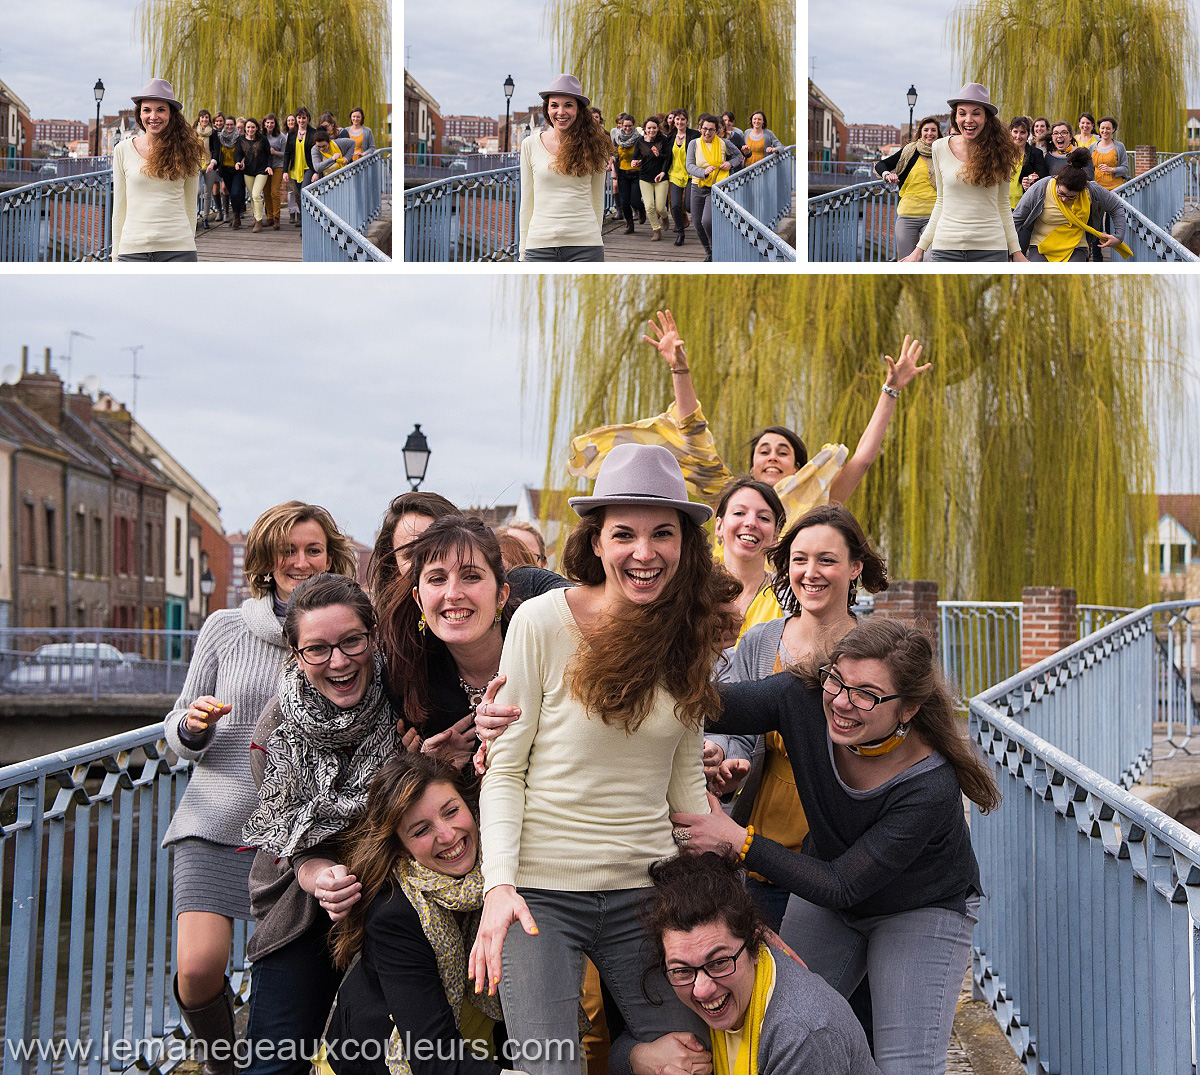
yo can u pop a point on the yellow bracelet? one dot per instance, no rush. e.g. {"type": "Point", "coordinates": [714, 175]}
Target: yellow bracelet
{"type": "Point", "coordinates": [749, 841]}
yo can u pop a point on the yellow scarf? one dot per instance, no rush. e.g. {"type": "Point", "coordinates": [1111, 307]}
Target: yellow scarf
{"type": "Point", "coordinates": [1056, 242]}
{"type": "Point", "coordinates": [714, 155]}
{"type": "Point", "coordinates": [746, 1061]}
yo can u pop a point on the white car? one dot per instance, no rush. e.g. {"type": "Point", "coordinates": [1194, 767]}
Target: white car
{"type": "Point", "coordinates": [70, 666]}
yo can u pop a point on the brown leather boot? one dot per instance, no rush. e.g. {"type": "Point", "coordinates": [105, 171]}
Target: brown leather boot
{"type": "Point", "coordinates": [656, 237]}
{"type": "Point", "coordinates": [237, 221]}
{"type": "Point", "coordinates": [257, 226]}
{"type": "Point", "coordinates": [213, 1026]}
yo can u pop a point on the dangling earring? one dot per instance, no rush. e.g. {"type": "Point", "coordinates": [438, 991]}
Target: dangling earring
{"type": "Point", "coordinates": [421, 624]}
{"type": "Point", "coordinates": [498, 611]}
{"type": "Point", "coordinates": [852, 597]}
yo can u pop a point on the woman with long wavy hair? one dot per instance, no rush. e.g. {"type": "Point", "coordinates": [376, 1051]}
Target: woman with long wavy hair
{"type": "Point", "coordinates": [972, 166]}
{"type": "Point", "coordinates": [887, 884]}
{"type": "Point", "coordinates": [156, 177]}
{"type": "Point", "coordinates": [563, 170]}
{"type": "Point", "coordinates": [253, 160]}
{"type": "Point", "coordinates": [612, 679]}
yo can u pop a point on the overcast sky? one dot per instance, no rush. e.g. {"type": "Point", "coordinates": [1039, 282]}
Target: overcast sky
{"type": "Point", "coordinates": [268, 387]}
{"type": "Point", "coordinates": [63, 46]}
{"type": "Point", "coordinates": [462, 60]}
{"type": "Point", "coordinates": [864, 54]}
{"type": "Point", "coordinates": [366, 358]}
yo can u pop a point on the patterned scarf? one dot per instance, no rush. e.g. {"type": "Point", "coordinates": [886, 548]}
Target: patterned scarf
{"type": "Point", "coordinates": [227, 140]}
{"type": "Point", "coordinates": [436, 897]}
{"type": "Point", "coordinates": [626, 140]}
{"type": "Point", "coordinates": [320, 761]}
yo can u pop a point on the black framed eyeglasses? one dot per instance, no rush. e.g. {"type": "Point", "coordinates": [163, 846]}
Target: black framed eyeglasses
{"type": "Point", "coordinates": [351, 646]}
{"type": "Point", "coordinates": [721, 967]}
{"type": "Point", "coordinates": [860, 697]}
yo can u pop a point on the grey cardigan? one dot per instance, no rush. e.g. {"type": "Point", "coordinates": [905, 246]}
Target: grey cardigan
{"type": "Point", "coordinates": [809, 1027]}
{"type": "Point", "coordinates": [732, 154]}
{"type": "Point", "coordinates": [753, 659]}
{"type": "Point", "coordinates": [238, 659]}
{"type": "Point", "coordinates": [1029, 208]}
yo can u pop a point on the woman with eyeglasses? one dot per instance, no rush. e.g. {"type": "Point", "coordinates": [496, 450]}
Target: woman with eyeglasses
{"type": "Point", "coordinates": [233, 675]}
{"type": "Point", "coordinates": [314, 753]}
{"type": "Point", "coordinates": [1056, 215]}
{"type": "Point", "coordinates": [887, 884]}
{"type": "Point", "coordinates": [765, 1011]}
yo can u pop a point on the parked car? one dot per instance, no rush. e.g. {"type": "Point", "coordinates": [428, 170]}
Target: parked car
{"type": "Point", "coordinates": [72, 667]}
{"type": "Point", "coordinates": [457, 166]}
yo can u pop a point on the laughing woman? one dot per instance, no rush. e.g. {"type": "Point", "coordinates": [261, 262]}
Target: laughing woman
{"type": "Point", "coordinates": [156, 177]}
{"type": "Point", "coordinates": [253, 160]}
{"type": "Point", "coordinates": [912, 169]}
{"type": "Point", "coordinates": [971, 218]}
{"type": "Point", "coordinates": [612, 678]}
{"type": "Point", "coordinates": [562, 180]}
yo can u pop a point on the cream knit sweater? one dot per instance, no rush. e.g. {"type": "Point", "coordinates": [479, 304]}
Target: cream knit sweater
{"type": "Point", "coordinates": [571, 803]}
{"type": "Point", "coordinates": [557, 210]}
{"type": "Point", "coordinates": [966, 217]}
{"type": "Point", "coordinates": [150, 214]}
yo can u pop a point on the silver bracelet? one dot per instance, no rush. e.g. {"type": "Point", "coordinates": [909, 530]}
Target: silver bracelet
{"type": "Point", "coordinates": [893, 392]}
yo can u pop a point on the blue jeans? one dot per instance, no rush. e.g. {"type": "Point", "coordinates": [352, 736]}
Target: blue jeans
{"type": "Point", "coordinates": [291, 992]}
{"type": "Point", "coordinates": [916, 961]}
{"type": "Point", "coordinates": [771, 901]}
{"type": "Point", "coordinates": [540, 985]}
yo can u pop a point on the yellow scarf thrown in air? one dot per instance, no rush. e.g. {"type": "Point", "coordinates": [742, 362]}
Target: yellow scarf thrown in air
{"type": "Point", "coordinates": [746, 1062]}
{"type": "Point", "coordinates": [1054, 247]}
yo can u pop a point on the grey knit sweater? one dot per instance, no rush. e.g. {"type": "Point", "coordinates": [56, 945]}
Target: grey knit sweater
{"type": "Point", "coordinates": [238, 659]}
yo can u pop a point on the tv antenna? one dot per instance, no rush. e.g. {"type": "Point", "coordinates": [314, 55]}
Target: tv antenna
{"type": "Point", "coordinates": [71, 352]}
{"type": "Point", "coordinates": [135, 376]}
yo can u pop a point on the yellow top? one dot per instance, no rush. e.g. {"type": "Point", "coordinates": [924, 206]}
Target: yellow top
{"type": "Point", "coordinates": [917, 193]}
{"type": "Point", "coordinates": [625, 158]}
{"type": "Point", "coordinates": [710, 153]}
{"type": "Point", "coordinates": [678, 173]}
{"type": "Point", "coordinates": [1106, 179]}
{"type": "Point", "coordinates": [300, 161]}
{"type": "Point", "coordinates": [1015, 190]}
{"type": "Point", "coordinates": [763, 608]}
{"type": "Point", "coordinates": [690, 441]}
{"type": "Point", "coordinates": [757, 147]}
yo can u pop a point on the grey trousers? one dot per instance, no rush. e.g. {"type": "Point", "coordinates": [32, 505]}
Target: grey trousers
{"type": "Point", "coordinates": [540, 986]}
{"type": "Point", "coordinates": [915, 961]}
{"type": "Point", "coordinates": [966, 255]}
{"type": "Point", "coordinates": [1080, 253]}
{"type": "Point", "coordinates": [160, 255]}
{"type": "Point", "coordinates": [564, 253]}
{"type": "Point", "coordinates": [702, 215]}
{"type": "Point", "coordinates": [908, 231]}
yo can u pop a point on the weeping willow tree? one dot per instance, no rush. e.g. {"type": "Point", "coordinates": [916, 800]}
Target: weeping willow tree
{"type": "Point", "coordinates": [257, 56]}
{"type": "Point", "coordinates": [1023, 457]}
{"type": "Point", "coordinates": [1132, 59]}
{"type": "Point", "coordinates": [649, 56]}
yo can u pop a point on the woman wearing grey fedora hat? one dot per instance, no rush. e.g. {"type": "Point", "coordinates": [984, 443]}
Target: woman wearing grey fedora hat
{"type": "Point", "coordinates": [156, 177]}
{"type": "Point", "coordinates": [972, 167]}
{"type": "Point", "coordinates": [563, 169]}
{"type": "Point", "coordinates": [612, 679]}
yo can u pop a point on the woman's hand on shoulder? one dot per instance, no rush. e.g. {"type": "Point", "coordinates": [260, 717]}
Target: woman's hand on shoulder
{"type": "Point", "coordinates": [714, 831]}
{"type": "Point", "coordinates": [204, 712]}
{"type": "Point", "coordinates": [502, 906]}
{"type": "Point", "coordinates": [903, 369]}
{"type": "Point", "coordinates": [490, 721]}
{"type": "Point", "coordinates": [677, 1053]}
{"type": "Point", "coordinates": [724, 775]}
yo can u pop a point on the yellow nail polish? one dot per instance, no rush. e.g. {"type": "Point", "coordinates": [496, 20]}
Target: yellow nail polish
{"type": "Point", "coordinates": [534, 931]}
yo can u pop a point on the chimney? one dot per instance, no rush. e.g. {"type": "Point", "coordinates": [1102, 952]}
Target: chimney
{"type": "Point", "coordinates": [47, 370]}
{"type": "Point", "coordinates": [42, 393]}
{"type": "Point", "coordinates": [24, 361]}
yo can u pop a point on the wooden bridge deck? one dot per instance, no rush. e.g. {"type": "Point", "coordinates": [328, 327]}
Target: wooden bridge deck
{"type": "Point", "coordinates": [221, 243]}
{"type": "Point", "coordinates": [638, 247]}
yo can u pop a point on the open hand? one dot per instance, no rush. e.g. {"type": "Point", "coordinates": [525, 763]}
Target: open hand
{"type": "Point", "coordinates": [902, 370]}
{"type": "Point", "coordinates": [666, 340]}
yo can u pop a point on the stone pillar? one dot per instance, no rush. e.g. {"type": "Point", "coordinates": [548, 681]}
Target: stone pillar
{"type": "Point", "coordinates": [914, 602]}
{"type": "Point", "coordinates": [1049, 622]}
{"type": "Point", "coordinates": [1144, 158]}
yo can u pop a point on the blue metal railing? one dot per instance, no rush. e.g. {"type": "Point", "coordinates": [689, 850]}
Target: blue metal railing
{"type": "Point", "coordinates": [337, 209]}
{"type": "Point", "coordinates": [748, 205]}
{"type": "Point", "coordinates": [857, 223]}
{"type": "Point", "coordinates": [58, 219]}
{"type": "Point", "coordinates": [1086, 950]}
{"type": "Point", "coordinates": [429, 166]}
{"type": "Point", "coordinates": [89, 936]}
{"type": "Point", "coordinates": [24, 170]}
{"type": "Point", "coordinates": [472, 217]}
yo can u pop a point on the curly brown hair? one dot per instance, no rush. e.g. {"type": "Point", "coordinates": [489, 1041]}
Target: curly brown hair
{"type": "Point", "coordinates": [672, 642]}
{"type": "Point", "coordinates": [371, 849]}
{"type": "Point", "coordinates": [992, 155]}
{"type": "Point", "coordinates": [177, 152]}
{"type": "Point", "coordinates": [874, 570]}
{"type": "Point", "coordinates": [908, 654]}
{"type": "Point", "coordinates": [584, 148]}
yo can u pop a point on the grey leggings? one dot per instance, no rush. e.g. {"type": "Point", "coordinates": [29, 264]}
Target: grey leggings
{"type": "Point", "coordinates": [915, 961]}
{"type": "Point", "coordinates": [908, 231]}
{"type": "Point", "coordinates": [702, 215]}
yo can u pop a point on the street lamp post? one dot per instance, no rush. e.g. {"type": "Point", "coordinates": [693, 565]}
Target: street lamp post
{"type": "Point", "coordinates": [98, 90]}
{"type": "Point", "coordinates": [912, 104]}
{"type": "Point", "coordinates": [509, 86]}
{"type": "Point", "coordinates": [207, 585]}
{"type": "Point", "coordinates": [416, 457]}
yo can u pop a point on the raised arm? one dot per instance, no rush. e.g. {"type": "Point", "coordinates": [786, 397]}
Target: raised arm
{"type": "Point", "coordinates": [666, 341]}
{"type": "Point", "coordinates": [900, 372]}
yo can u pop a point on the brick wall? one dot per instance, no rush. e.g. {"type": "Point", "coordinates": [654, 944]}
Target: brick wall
{"type": "Point", "coordinates": [1144, 158]}
{"type": "Point", "coordinates": [1048, 622]}
{"type": "Point", "coordinates": [913, 602]}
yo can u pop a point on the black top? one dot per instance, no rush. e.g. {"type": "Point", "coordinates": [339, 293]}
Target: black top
{"type": "Point", "coordinates": [397, 980]}
{"type": "Point", "coordinates": [255, 156]}
{"type": "Point", "coordinates": [652, 167]}
{"type": "Point", "coordinates": [1034, 161]}
{"type": "Point", "coordinates": [898, 847]}
{"type": "Point", "coordinates": [527, 581]}
{"type": "Point", "coordinates": [289, 150]}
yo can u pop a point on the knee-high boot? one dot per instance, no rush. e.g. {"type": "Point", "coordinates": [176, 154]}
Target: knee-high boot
{"type": "Point", "coordinates": [213, 1025]}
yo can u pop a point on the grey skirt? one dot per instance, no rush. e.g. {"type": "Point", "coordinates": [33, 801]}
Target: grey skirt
{"type": "Point", "coordinates": [211, 877]}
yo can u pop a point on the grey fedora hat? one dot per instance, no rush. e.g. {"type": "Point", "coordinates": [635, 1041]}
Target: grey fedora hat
{"type": "Point", "coordinates": [973, 94]}
{"type": "Point", "coordinates": [157, 89]}
{"type": "Point", "coordinates": [641, 475]}
{"type": "Point", "coordinates": [566, 86]}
